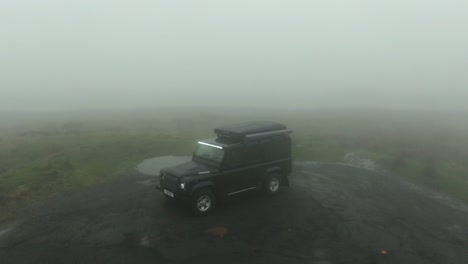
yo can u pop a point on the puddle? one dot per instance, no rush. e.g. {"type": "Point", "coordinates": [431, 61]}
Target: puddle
{"type": "Point", "coordinates": [152, 166]}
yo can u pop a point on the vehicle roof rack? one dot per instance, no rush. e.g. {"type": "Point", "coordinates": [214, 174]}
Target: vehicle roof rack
{"type": "Point", "coordinates": [251, 129]}
{"type": "Point", "coordinates": [268, 134]}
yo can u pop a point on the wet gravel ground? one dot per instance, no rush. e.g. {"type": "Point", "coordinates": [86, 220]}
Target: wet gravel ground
{"type": "Point", "coordinates": [332, 213]}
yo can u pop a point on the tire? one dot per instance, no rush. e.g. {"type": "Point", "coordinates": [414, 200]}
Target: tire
{"type": "Point", "coordinates": [203, 202]}
{"type": "Point", "coordinates": [272, 183]}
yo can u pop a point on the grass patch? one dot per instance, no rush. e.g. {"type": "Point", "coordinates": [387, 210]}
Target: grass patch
{"type": "Point", "coordinates": [81, 159]}
{"type": "Point", "coordinates": [38, 166]}
{"type": "Point", "coordinates": [53, 153]}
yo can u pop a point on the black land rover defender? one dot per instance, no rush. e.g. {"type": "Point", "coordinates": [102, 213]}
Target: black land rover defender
{"type": "Point", "coordinates": [244, 157]}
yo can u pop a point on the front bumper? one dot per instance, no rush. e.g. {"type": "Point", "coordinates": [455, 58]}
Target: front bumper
{"type": "Point", "coordinates": [180, 195]}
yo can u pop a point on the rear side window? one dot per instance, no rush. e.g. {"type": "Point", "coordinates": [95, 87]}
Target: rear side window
{"type": "Point", "coordinates": [267, 149]}
{"type": "Point", "coordinates": [277, 148]}
{"type": "Point", "coordinates": [252, 153]}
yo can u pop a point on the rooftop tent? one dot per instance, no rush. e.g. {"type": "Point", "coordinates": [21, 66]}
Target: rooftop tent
{"type": "Point", "coordinates": [244, 129]}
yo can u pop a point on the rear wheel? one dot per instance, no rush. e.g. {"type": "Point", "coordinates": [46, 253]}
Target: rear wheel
{"type": "Point", "coordinates": [272, 183]}
{"type": "Point", "coordinates": [203, 202]}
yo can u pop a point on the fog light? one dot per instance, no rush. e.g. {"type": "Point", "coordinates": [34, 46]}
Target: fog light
{"type": "Point", "coordinates": [182, 186]}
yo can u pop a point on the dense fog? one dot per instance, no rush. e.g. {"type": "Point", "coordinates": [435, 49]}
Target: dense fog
{"type": "Point", "coordinates": [107, 54]}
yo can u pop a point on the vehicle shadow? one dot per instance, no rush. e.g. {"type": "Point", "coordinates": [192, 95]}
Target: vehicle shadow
{"type": "Point", "coordinates": [237, 203]}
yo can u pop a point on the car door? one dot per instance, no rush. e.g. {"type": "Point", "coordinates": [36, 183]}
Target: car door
{"type": "Point", "coordinates": [234, 177]}
{"type": "Point", "coordinates": [253, 158]}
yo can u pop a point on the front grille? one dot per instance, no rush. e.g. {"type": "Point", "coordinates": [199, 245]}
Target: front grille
{"type": "Point", "coordinates": [170, 182]}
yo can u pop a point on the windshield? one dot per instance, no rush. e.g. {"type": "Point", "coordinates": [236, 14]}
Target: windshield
{"type": "Point", "coordinates": [209, 153]}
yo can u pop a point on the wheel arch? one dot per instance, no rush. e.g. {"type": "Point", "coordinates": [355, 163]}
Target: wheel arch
{"type": "Point", "coordinates": [203, 185]}
{"type": "Point", "coordinates": [268, 171]}
{"type": "Point", "coordinates": [279, 170]}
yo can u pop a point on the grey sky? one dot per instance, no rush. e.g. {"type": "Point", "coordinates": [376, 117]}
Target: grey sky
{"type": "Point", "coordinates": [67, 54]}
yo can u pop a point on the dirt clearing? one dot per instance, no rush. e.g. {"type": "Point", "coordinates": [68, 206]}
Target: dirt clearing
{"type": "Point", "coordinates": [332, 213]}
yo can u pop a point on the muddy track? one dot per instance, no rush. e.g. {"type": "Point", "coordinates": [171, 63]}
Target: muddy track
{"type": "Point", "coordinates": [331, 214]}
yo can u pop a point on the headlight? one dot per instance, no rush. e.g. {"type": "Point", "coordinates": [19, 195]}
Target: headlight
{"type": "Point", "coordinates": [182, 186]}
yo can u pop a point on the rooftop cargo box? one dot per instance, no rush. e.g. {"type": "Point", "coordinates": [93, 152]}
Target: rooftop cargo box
{"type": "Point", "coordinates": [249, 129]}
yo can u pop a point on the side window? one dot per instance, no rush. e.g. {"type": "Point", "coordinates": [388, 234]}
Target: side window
{"type": "Point", "coordinates": [251, 153]}
{"type": "Point", "coordinates": [267, 149]}
{"type": "Point", "coordinates": [279, 148]}
{"type": "Point", "coordinates": [233, 158]}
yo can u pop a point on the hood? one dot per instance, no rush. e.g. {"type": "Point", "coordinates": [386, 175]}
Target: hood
{"type": "Point", "coordinates": [190, 168]}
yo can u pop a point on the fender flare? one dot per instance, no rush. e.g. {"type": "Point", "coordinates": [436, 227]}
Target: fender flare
{"type": "Point", "coordinates": [207, 184]}
{"type": "Point", "coordinates": [284, 177]}
{"type": "Point", "coordinates": [271, 170]}
{"type": "Point", "coordinates": [268, 172]}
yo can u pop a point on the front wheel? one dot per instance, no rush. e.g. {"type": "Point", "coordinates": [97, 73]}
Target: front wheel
{"type": "Point", "coordinates": [203, 202]}
{"type": "Point", "coordinates": [272, 183]}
